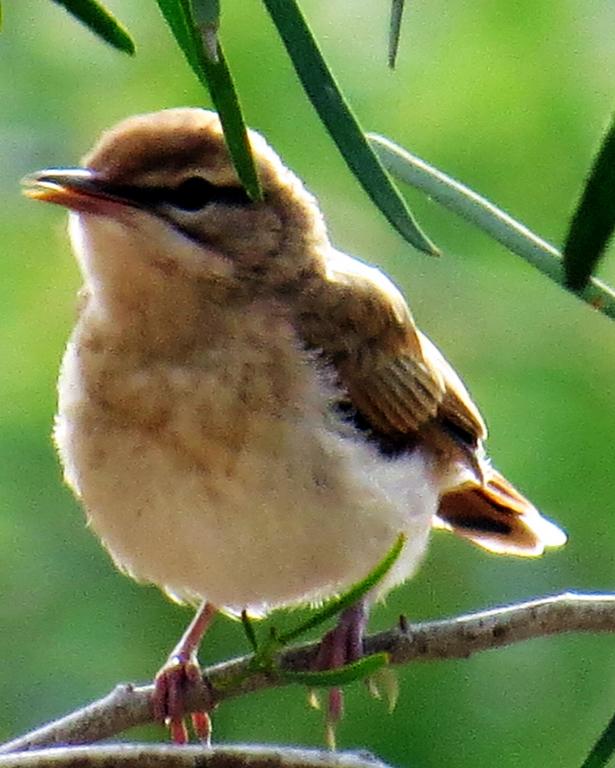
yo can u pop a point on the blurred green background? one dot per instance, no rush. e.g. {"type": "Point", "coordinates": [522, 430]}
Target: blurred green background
{"type": "Point", "coordinates": [511, 98]}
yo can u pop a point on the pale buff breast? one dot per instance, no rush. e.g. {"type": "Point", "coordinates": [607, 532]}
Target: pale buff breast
{"type": "Point", "coordinates": [202, 480]}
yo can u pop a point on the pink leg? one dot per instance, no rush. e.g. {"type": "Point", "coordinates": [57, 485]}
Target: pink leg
{"type": "Point", "coordinates": [177, 675]}
{"type": "Point", "coordinates": [341, 645]}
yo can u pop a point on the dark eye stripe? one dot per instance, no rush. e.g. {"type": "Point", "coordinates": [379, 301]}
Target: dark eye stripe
{"type": "Point", "coordinates": [193, 194]}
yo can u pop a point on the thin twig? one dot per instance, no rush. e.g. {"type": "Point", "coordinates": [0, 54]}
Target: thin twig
{"type": "Point", "coordinates": [127, 706]}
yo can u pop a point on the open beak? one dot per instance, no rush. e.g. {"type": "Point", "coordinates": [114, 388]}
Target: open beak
{"type": "Point", "coordinates": [76, 188]}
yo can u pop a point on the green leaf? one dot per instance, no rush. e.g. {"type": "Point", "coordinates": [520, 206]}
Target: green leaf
{"type": "Point", "coordinates": [604, 748]}
{"type": "Point", "coordinates": [226, 101]}
{"type": "Point", "coordinates": [101, 22]}
{"type": "Point", "coordinates": [334, 112]}
{"type": "Point", "coordinates": [216, 77]}
{"type": "Point", "coordinates": [397, 11]}
{"type": "Point", "coordinates": [178, 15]}
{"type": "Point", "coordinates": [358, 670]}
{"type": "Point", "coordinates": [353, 595]}
{"type": "Point", "coordinates": [207, 12]}
{"type": "Point", "coordinates": [593, 222]}
{"type": "Point", "coordinates": [207, 17]}
{"type": "Point", "coordinates": [488, 217]}
{"type": "Point", "coordinates": [249, 631]}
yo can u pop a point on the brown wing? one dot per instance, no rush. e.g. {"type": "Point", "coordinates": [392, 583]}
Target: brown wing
{"type": "Point", "coordinates": [395, 377]}
{"type": "Point", "coordinates": [404, 389]}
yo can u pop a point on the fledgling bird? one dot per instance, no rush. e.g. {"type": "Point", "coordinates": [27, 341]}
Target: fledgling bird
{"type": "Point", "coordinates": [249, 416]}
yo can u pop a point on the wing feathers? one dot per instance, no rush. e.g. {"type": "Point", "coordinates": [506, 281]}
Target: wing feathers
{"type": "Point", "coordinates": [457, 405]}
{"type": "Point", "coordinates": [404, 390]}
{"type": "Point", "coordinates": [399, 396]}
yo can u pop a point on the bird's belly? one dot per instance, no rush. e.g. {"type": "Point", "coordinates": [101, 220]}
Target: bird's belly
{"type": "Point", "coordinates": [256, 513]}
{"type": "Point", "coordinates": [266, 535]}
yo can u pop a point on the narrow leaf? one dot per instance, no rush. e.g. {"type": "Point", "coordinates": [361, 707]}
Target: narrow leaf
{"type": "Point", "coordinates": [216, 77]}
{"type": "Point", "coordinates": [336, 116]}
{"type": "Point", "coordinates": [207, 17]}
{"type": "Point", "coordinates": [249, 631]}
{"type": "Point", "coordinates": [604, 748]}
{"type": "Point", "coordinates": [101, 22]}
{"type": "Point", "coordinates": [207, 12]}
{"type": "Point", "coordinates": [593, 222]}
{"type": "Point", "coordinates": [357, 670]}
{"type": "Point", "coordinates": [353, 595]}
{"type": "Point", "coordinates": [397, 11]}
{"type": "Point", "coordinates": [226, 101]}
{"type": "Point", "coordinates": [177, 14]}
{"type": "Point", "coordinates": [488, 217]}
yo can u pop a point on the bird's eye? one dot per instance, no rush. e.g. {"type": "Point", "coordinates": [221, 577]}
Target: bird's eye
{"type": "Point", "coordinates": [194, 193]}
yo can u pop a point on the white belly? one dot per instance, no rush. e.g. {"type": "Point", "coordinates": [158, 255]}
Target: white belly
{"type": "Point", "coordinates": [294, 512]}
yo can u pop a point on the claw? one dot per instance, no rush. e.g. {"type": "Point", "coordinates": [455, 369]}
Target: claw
{"type": "Point", "coordinates": [178, 732]}
{"type": "Point", "coordinates": [330, 736]}
{"type": "Point", "coordinates": [178, 678]}
{"type": "Point", "coordinates": [201, 724]}
{"type": "Point", "coordinates": [171, 686]}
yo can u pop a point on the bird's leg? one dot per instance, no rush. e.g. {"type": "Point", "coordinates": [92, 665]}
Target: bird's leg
{"type": "Point", "coordinates": [177, 675]}
{"type": "Point", "coordinates": [341, 645]}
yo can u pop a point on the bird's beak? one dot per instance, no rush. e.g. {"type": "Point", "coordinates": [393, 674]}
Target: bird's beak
{"type": "Point", "coordinates": [77, 188]}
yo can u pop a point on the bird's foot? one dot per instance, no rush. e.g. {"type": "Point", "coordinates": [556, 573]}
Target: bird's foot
{"type": "Point", "coordinates": [341, 645]}
{"type": "Point", "coordinates": [178, 679]}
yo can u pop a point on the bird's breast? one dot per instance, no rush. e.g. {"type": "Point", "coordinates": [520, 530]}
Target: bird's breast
{"type": "Point", "coordinates": [223, 477]}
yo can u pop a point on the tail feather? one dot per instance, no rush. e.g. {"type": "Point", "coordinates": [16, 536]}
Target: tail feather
{"type": "Point", "coordinates": [498, 518]}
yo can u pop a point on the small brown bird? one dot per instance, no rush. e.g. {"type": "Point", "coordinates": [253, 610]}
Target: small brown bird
{"type": "Point", "coordinates": [249, 416]}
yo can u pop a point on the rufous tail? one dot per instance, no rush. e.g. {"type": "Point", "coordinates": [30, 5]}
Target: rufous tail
{"type": "Point", "coordinates": [498, 518]}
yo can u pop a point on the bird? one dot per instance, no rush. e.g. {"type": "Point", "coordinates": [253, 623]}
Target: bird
{"type": "Point", "coordinates": [249, 416]}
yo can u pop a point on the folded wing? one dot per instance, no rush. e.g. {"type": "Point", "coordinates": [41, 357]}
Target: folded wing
{"type": "Point", "coordinates": [404, 391]}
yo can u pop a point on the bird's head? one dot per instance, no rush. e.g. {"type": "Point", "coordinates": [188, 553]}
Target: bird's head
{"type": "Point", "coordinates": [159, 196]}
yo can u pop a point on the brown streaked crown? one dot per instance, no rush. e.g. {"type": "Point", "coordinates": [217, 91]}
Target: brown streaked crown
{"type": "Point", "coordinates": [175, 140]}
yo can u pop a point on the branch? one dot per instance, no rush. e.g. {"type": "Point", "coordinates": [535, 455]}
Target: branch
{"type": "Point", "coordinates": [128, 706]}
{"type": "Point", "coordinates": [172, 756]}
